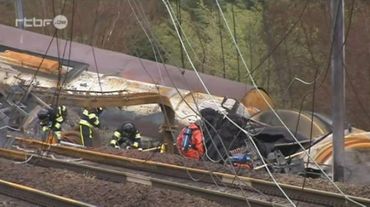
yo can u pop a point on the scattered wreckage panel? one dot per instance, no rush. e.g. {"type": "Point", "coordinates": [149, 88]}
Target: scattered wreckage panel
{"type": "Point", "coordinates": [30, 61]}
{"type": "Point", "coordinates": [297, 122]}
{"type": "Point", "coordinates": [257, 100]}
{"type": "Point", "coordinates": [50, 67]}
{"type": "Point", "coordinates": [4, 119]}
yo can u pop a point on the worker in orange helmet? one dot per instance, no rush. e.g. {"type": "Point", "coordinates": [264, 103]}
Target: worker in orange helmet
{"type": "Point", "coordinates": [190, 141]}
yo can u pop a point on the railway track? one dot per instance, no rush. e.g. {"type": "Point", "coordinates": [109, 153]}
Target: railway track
{"type": "Point", "coordinates": [307, 195]}
{"type": "Point", "coordinates": [223, 195]}
{"type": "Point", "coordinates": [10, 201]}
{"type": "Point", "coordinates": [38, 197]}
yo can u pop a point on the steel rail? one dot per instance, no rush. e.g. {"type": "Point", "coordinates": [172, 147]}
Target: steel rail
{"type": "Point", "coordinates": [122, 176]}
{"type": "Point", "coordinates": [38, 197]}
{"type": "Point", "coordinates": [295, 192]}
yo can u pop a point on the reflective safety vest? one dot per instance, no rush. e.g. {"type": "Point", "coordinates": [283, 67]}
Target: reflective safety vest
{"type": "Point", "coordinates": [53, 121]}
{"type": "Point", "coordinates": [61, 113]}
{"type": "Point", "coordinates": [131, 140]}
{"type": "Point", "coordinates": [89, 119]}
{"type": "Point", "coordinates": [190, 142]}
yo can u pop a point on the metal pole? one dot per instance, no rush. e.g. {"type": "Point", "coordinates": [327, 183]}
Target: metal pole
{"type": "Point", "coordinates": [19, 12]}
{"type": "Point", "coordinates": [338, 88]}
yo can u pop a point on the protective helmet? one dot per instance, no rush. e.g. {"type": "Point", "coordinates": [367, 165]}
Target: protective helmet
{"type": "Point", "coordinates": [43, 114]}
{"type": "Point", "coordinates": [193, 119]}
{"type": "Point", "coordinates": [99, 110]}
{"type": "Point", "coordinates": [129, 128]}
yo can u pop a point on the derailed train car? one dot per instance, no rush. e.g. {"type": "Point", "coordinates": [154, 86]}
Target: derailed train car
{"type": "Point", "coordinates": [124, 77]}
{"type": "Point", "coordinates": [300, 145]}
{"type": "Point", "coordinates": [166, 101]}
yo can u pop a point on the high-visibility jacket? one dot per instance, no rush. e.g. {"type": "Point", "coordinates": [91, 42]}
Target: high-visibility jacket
{"type": "Point", "coordinates": [129, 140]}
{"type": "Point", "coordinates": [53, 120]}
{"type": "Point", "coordinates": [60, 114]}
{"type": "Point", "coordinates": [190, 142]}
{"type": "Point", "coordinates": [89, 119]}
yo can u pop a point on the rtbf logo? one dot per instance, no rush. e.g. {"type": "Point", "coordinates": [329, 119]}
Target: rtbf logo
{"type": "Point", "coordinates": [59, 22]}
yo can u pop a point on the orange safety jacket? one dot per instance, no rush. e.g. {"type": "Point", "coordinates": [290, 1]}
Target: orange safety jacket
{"type": "Point", "coordinates": [196, 150]}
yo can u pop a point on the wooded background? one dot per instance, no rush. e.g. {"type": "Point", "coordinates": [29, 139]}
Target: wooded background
{"type": "Point", "coordinates": [280, 40]}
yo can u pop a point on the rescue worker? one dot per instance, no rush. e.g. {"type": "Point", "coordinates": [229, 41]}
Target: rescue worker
{"type": "Point", "coordinates": [51, 119]}
{"type": "Point", "coordinates": [190, 141]}
{"type": "Point", "coordinates": [89, 120]}
{"type": "Point", "coordinates": [126, 136]}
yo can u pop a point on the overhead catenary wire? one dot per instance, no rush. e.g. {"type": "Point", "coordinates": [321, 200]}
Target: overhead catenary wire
{"type": "Point", "coordinates": [206, 89]}
{"type": "Point", "coordinates": [236, 39]}
{"type": "Point", "coordinates": [188, 42]}
{"type": "Point", "coordinates": [179, 17]}
{"type": "Point", "coordinates": [28, 88]}
{"type": "Point", "coordinates": [352, 86]}
{"type": "Point", "coordinates": [58, 84]}
{"type": "Point", "coordinates": [155, 42]}
{"type": "Point", "coordinates": [154, 48]}
{"type": "Point", "coordinates": [357, 97]}
{"type": "Point", "coordinates": [69, 50]}
{"type": "Point", "coordinates": [312, 111]}
{"type": "Point", "coordinates": [92, 46]}
{"type": "Point", "coordinates": [154, 51]}
{"type": "Point", "coordinates": [248, 68]}
{"type": "Point", "coordinates": [312, 120]}
{"type": "Point", "coordinates": [332, 41]}
{"type": "Point", "coordinates": [314, 87]}
{"type": "Point", "coordinates": [150, 42]}
{"type": "Point", "coordinates": [220, 28]}
{"type": "Point", "coordinates": [185, 36]}
{"type": "Point", "coordinates": [282, 40]}
{"type": "Point", "coordinates": [60, 65]}
{"type": "Point", "coordinates": [345, 66]}
{"type": "Point", "coordinates": [55, 98]}
{"type": "Point", "coordinates": [279, 118]}
{"type": "Point", "coordinates": [346, 196]}
{"type": "Point", "coordinates": [187, 103]}
{"type": "Point", "coordinates": [189, 45]}
{"type": "Point", "coordinates": [168, 6]}
{"type": "Point", "coordinates": [46, 150]}
{"type": "Point", "coordinates": [155, 55]}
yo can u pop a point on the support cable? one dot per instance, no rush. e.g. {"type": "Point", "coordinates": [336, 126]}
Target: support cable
{"type": "Point", "coordinates": [92, 46]}
{"type": "Point", "coordinates": [279, 118]}
{"type": "Point", "coordinates": [200, 79]}
{"type": "Point", "coordinates": [193, 111]}
{"type": "Point", "coordinates": [69, 50]}
{"type": "Point", "coordinates": [155, 55]}
{"type": "Point", "coordinates": [236, 39]}
{"type": "Point", "coordinates": [282, 40]}
{"type": "Point", "coordinates": [222, 45]}
{"type": "Point", "coordinates": [332, 40]}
